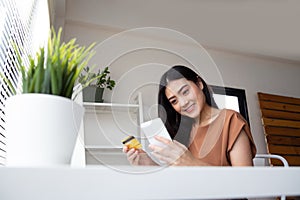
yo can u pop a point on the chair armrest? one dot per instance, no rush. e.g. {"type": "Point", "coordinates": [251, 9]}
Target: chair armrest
{"type": "Point", "coordinates": [268, 156]}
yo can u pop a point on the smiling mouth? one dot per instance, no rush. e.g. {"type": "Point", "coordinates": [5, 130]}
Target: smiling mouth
{"type": "Point", "coordinates": [189, 108]}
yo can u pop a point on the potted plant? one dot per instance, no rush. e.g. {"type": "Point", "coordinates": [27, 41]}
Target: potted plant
{"type": "Point", "coordinates": [42, 120]}
{"type": "Point", "coordinates": [94, 84]}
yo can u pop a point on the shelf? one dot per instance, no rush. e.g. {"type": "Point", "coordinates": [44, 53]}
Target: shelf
{"type": "Point", "coordinates": [94, 104]}
{"type": "Point", "coordinates": [99, 155]}
{"type": "Point", "coordinates": [103, 147]}
{"type": "Point", "coordinates": [109, 107]}
{"type": "Point", "coordinates": [106, 125]}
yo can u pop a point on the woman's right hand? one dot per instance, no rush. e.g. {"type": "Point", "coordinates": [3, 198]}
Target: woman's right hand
{"type": "Point", "coordinates": [137, 156]}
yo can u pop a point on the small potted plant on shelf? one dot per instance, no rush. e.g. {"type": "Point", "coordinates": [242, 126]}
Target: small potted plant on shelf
{"type": "Point", "coordinates": [42, 118]}
{"type": "Point", "coordinates": [94, 83]}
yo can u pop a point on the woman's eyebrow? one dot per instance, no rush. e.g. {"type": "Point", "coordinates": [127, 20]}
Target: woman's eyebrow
{"type": "Point", "coordinates": [180, 89]}
{"type": "Point", "coordinates": [172, 97]}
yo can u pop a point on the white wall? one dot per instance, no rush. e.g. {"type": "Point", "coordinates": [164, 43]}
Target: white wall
{"type": "Point", "coordinates": [144, 66]}
{"type": "Point", "coordinates": [257, 75]}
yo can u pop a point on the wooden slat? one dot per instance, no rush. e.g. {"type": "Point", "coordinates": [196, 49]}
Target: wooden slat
{"type": "Point", "coordinates": [272, 130]}
{"type": "Point", "coordinates": [292, 160]}
{"type": "Point", "coordinates": [290, 198]}
{"type": "Point", "coordinates": [281, 123]}
{"type": "Point", "coordinates": [283, 140]}
{"type": "Point", "coordinates": [281, 120]}
{"type": "Point", "coordinates": [283, 150]}
{"type": "Point", "coordinates": [279, 106]}
{"type": "Point", "coordinates": [266, 113]}
{"type": "Point", "coordinates": [278, 98]}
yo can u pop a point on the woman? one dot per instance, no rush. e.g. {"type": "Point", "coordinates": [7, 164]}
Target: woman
{"type": "Point", "coordinates": [202, 134]}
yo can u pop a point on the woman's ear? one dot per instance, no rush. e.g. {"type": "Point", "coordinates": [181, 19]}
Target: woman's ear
{"type": "Point", "coordinates": [200, 84]}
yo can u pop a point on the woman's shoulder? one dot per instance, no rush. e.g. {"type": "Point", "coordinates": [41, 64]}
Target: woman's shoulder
{"type": "Point", "coordinates": [229, 111]}
{"type": "Point", "coordinates": [232, 114]}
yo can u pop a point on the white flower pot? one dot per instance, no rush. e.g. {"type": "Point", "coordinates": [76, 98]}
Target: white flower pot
{"type": "Point", "coordinates": [41, 129]}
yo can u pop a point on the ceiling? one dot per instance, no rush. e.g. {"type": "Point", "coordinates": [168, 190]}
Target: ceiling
{"type": "Point", "coordinates": [268, 28]}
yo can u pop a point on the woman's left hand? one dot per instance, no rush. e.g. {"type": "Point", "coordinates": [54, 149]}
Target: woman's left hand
{"type": "Point", "coordinates": [174, 153]}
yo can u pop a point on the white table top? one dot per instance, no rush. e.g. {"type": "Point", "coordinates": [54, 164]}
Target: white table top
{"type": "Point", "coordinates": [125, 182]}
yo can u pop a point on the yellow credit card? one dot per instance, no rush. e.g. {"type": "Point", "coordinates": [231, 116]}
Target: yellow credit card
{"type": "Point", "coordinates": [132, 142]}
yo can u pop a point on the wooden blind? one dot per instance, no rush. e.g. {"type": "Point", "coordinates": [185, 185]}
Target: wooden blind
{"type": "Point", "coordinates": [281, 121]}
{"type": "Point", "coordinates": [23, 23]}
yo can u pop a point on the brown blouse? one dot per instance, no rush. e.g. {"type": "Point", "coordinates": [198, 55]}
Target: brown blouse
{"type": "Point", "coordinates": [213, 142]}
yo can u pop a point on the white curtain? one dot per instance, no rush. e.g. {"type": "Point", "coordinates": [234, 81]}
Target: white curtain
{"type": "Point", "coordinates": [25, 23]}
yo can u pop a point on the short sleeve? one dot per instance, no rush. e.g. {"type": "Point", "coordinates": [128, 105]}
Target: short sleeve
{"type": "Point", "coordinates": [236, 124]}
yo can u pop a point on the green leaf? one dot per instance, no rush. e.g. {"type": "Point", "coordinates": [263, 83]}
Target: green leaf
{"type": "Point", "coordinates": [46, 88]}
{"type": "Point", "coordinates": [54, 88]}
{"type": "Point", "coordinates": [55, 71]}
{"type": "Point", "coordinates": [40, 72]}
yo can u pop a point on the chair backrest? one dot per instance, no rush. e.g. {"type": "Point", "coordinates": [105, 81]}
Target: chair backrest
{"type": "Point", "coordinates": [281, 121]}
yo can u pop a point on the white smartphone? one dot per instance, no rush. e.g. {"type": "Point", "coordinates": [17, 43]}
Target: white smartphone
{"type": "Point", "coordinates": [153, 128]}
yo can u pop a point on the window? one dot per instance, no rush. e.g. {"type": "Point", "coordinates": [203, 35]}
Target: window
{"type": "Point", "coordinates": [231, 98]}
{"type": "Point", "coordinates": [25, 23]}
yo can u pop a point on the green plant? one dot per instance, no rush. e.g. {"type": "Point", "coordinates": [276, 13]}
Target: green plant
{"type": "Point", "coordinates": [55, 71]}
{"type": "Point", "coordinates": [100, 79]}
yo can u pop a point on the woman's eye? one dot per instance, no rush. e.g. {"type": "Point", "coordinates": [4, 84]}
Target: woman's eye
{"type": "Point", "coordinates": [173, 102]}
{"type": "Point", "coordinates": [185, 92]}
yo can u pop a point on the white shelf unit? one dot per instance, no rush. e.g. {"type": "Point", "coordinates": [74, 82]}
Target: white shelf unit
{"type": "Point", "coordinates": [106, 125]}
{"type": "Point", "coordinates": [108, 106]}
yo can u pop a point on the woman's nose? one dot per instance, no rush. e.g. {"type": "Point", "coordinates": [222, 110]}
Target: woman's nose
{"type": "Point", "coordinates": [183, 101]}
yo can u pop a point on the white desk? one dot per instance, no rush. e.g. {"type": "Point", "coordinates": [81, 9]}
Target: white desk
{"type": "Point", "coordinates": [168, 183]}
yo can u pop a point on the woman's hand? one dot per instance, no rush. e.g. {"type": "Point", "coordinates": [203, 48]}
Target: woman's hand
{"type": "Point", "coordinates": [174, 153]}
{"type": "Point", "coordinates": [137, 157]}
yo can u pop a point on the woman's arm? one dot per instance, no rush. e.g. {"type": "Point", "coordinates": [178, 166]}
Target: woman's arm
{"type": "Point", "coordinates": [241, 154]}
{"type": "Point", "coordinates": [175, 154]}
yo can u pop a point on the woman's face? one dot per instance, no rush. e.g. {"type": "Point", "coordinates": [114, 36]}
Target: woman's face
{"type": "Point", "coordinates": [186, 97]}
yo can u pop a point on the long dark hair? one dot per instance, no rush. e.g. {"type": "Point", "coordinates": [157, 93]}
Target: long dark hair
{"type": "Point", "coordinates": [179, 126]}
